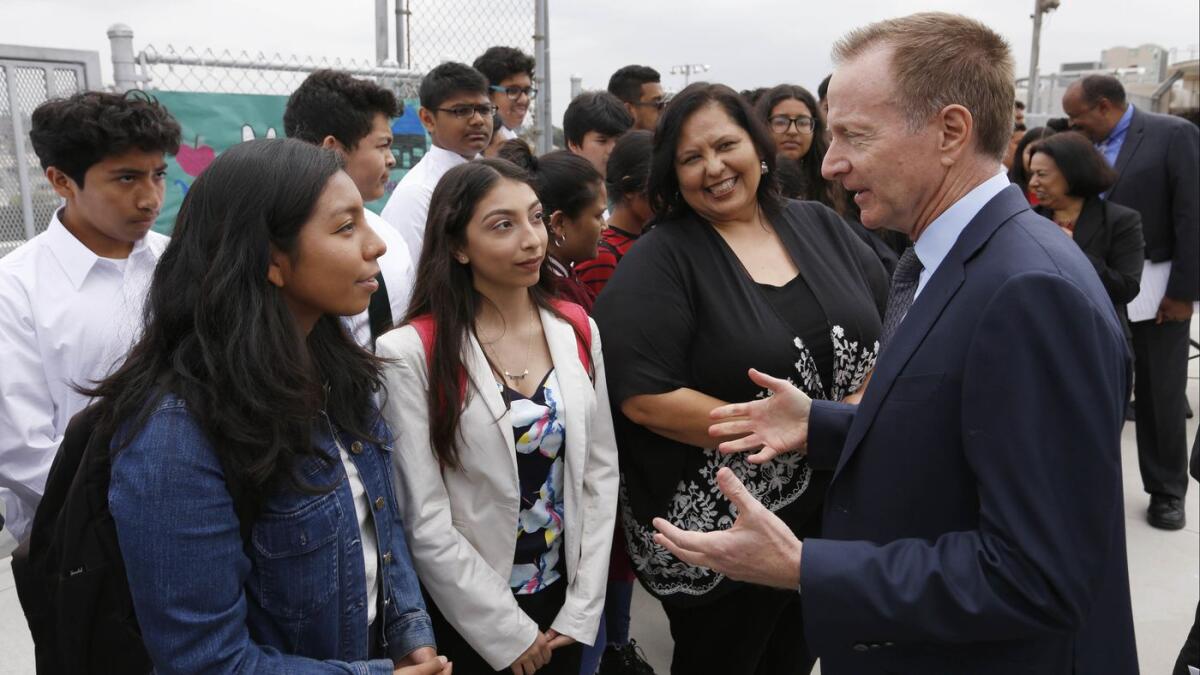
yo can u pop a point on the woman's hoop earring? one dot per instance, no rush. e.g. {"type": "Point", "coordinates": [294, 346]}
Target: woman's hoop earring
{"type": "Point", "coordinates": [763, 165]}
{"type": "Point", "coordinates": [560, 240]}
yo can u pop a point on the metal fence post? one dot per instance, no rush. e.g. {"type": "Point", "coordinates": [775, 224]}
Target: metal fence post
{"type": "Point", "coordinates": [120, 38]}
{"type": "Point", "coordinates": [541, 46]}
{"type": "Point", "coordinates": [381, 32]}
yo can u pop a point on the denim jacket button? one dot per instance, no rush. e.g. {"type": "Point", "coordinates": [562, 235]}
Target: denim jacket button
{"type": "Point", "coordinates": [378, 503]}
{"type": "Point", "coordinates": [356, 447]}
{"type": "Point", "coordinates": [387, 558]}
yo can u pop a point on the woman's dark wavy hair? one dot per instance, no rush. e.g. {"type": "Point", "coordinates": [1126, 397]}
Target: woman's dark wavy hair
{"type": "Point", "coordinates": [813, 185]}
{"type": "Point", "coordinates": [563, 180]}
{"type": "Point", "coordinates": [444, 290]}
{"type": "Point", "coordinates": [1083, 167]}
{"type": "Point", "coordinates": [1017, 173]}
{"type": "Point", "coordinates": [663, 185]}
{"type": "Point", "coordinates": [220, 337]}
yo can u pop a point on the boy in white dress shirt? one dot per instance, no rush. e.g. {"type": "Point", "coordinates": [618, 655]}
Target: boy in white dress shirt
{"type": "Point", "coordinates": [71, 298]}
{"type": "Point", "coordinates": [353, 118]}
{"type": "Point", "coordinates": [457, 113]}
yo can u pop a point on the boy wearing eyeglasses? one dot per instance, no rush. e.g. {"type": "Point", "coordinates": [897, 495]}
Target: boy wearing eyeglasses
{"type": "Point", "coordinates": [457, 114]}
{"type": "Point", "coordinates": [510, 84]}
{"type": "Point", "coordinates": [353, 118]}
{"type": "Point", "coordinates": [640, 89]}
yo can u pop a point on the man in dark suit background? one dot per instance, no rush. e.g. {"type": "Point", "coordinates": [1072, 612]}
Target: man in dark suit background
{"type": "Point", "coordinates": [974, 522]}
{"type": "Point", "coordinates": [1157, 160]}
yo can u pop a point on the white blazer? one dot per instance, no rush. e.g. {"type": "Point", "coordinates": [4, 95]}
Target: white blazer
{"type": "Point", "coordinates": [462, 524]}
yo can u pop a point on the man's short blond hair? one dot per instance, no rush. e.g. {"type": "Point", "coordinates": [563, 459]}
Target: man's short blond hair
{"type": "Point", "coordinates": [941, 59]}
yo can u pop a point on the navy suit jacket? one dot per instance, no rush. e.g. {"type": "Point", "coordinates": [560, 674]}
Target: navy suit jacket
{"type": "Point", "coordinates": [975, 521]}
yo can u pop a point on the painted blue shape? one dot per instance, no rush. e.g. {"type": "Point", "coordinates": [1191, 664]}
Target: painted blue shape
{"type": "Point", "coordinates": [408, 124]}
{"type": "Point", "coordinates": [183, 187]}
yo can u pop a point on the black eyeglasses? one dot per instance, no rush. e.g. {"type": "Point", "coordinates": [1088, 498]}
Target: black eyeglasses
{"type": "Point", "coordinates": [781, 123]}
{"type": "Point", "coordinates": [465, 112]}
{"type": "Point", "coordinates": [657, 105]}
{"type": "Point", "coordinates": [514, 93]}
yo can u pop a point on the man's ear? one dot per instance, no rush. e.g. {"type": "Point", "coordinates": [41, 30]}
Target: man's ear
{"type": "Point", "coordinates": [956, 126]}
{"type": "Point", "coordinates": [331, 143]}
{"type": "Point", "coordinates": [278, 268]}
{"type": "Point", "coordinates": [64, 185]}
{"type": "Point", "coordinates": [577, 149]}
{"type": "Point", "coordinates": [427, 120]}
{"type": "Point", "coordinates": [630, 108]}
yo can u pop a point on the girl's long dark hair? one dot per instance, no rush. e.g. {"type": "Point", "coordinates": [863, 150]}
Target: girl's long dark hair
{"type": "Point", "coordinates": [220, 337]}
{"type": "Point", "coordinates": [444, 290]}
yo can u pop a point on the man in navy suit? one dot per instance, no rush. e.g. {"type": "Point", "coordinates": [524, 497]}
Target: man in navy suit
{"type": "Point", "coordinates": [1157, 160]}
{"type": "Point", "coordinates": [974, 521]}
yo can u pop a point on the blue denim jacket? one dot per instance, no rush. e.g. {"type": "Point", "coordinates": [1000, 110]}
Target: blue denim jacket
{"type": "Point", "coordinates": [291, 600]}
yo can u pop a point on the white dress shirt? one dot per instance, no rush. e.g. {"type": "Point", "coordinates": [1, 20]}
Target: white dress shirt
{"type": "Point", "coordinates": [398, 266]}
{"type": "Point", "coordinates": [935, 242]}
{"type": "Point", "coordinates": [408, 206]}
{"type": "Point", "coordinates": [67, 317]}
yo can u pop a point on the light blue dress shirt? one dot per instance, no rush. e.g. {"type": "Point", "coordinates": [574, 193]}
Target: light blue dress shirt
{"type": "Point", "coordinates": [936, 241]}
{"type": "Point", "coordinates": [1111, 147]}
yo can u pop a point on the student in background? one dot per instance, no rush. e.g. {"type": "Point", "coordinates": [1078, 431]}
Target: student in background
{"type": "Point", "coordinates": [628, 170]}
{"type": "Point", "coordinates": [592, 123]}
{"type": "Point", "coordinates": [247, 383]}
{"type": "Point", "coordinates": [510, 85]}
{"type": "Point", "coordinates": [509, 468]}
{"type": "Point", "coordinates": [457, 113]}
{"type": "Point", "coordinates": [640, 89]}
{"type": "Point", "coordinates": [573, 204]}
{"type": "Point", "coordinates": [71, 298]}
{"type": "Point", "coordinates": [353, 118]}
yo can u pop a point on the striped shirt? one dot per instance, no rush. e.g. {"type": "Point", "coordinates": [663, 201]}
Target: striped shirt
{"type": "Point", "coordinates": [614, 244]}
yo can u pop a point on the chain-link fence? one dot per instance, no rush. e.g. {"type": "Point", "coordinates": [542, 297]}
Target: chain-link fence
{"type": "Point", "coordinates": [460, 30]}
{"type": "Point", "coordinates": [228, 72]}
{"type": "Point", "coordinates": [26, 198]}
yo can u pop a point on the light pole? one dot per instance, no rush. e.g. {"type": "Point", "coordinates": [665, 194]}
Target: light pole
{"type": "Point", "coordinates": [689, 69]}
{"type": "Point", "coordinates": [1040, 7]}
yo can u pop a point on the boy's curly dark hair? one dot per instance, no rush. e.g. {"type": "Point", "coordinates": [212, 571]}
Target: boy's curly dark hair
{"type": "Point", "coordinates": [333, 103]}
{"type": "Point", "coordinates": [72, 134]}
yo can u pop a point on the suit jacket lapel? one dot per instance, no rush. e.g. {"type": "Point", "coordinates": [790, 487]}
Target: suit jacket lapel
{"type": "Point", "coordinates": [1090, 222]}
{"type": "Point", "coordinates": [486, 388]}
{"type": "Point", "coordinates": [564, 352]}
{"type": "Point", "coordinates": [926, 309]}
{"type": "Point", "coordinates": [1133, 138]}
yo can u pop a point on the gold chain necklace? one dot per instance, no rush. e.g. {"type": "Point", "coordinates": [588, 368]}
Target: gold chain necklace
{"type": "Point", "coordinates": [528, 351]}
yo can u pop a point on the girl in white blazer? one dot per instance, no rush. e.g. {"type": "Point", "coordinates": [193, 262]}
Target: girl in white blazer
{"type": "Point", "coordinates": [489, 327]}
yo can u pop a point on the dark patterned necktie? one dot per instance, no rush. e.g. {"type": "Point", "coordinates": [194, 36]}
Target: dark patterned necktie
{"type": "Point", "coordinates": [900, 296]}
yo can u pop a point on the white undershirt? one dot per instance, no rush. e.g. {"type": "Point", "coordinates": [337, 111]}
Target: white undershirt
{"type": "Point", "coordinates": [370, 547]}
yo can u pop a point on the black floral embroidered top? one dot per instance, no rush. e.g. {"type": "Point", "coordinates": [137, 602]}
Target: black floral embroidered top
{"type": "Point", "coordinates": [682, 312]}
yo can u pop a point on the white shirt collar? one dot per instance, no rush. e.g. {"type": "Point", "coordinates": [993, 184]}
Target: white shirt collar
{"type": "Point", "coordinates": [442, 158]}
{"type": "Point", "coordinates": [935, 242]}
{"type": "Point", "coordinates": [76, 259]}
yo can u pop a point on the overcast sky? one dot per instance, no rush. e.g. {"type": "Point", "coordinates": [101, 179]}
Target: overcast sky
{"type": "Point", "coordinates": [748, 43]}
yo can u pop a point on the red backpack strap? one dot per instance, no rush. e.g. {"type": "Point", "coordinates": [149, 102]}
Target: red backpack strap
{"type": "Point", "coordinates": [426, 329]}
{"type": "Point", "coordinates": [578, 317]}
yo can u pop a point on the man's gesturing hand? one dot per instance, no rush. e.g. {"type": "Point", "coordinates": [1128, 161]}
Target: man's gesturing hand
{"type": "Point", "coordinates": [772, 426]}
{"type": "Point", "coordinates": [759, 548]}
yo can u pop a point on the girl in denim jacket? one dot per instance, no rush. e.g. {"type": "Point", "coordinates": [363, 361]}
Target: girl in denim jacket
{"type": "Point", "coordinates": [246, 373]}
